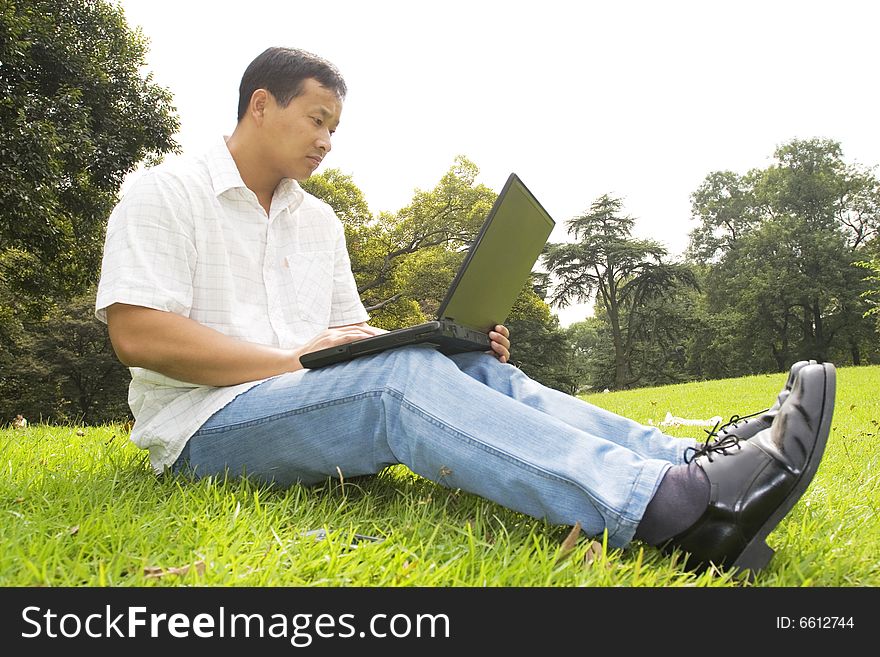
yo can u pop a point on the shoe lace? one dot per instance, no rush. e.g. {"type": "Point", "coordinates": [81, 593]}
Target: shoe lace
{"type": "Point", "coordinates": [715, 445]}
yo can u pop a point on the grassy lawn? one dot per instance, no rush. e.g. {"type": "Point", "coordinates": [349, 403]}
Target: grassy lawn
{"type": "Point", "coordinates": [80, 507]}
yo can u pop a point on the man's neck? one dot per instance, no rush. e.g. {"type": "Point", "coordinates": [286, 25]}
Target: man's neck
{"type": "Point", "coordinates": [252, 169]}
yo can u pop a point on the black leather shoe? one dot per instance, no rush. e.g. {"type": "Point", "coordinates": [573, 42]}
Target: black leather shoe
{"type": "Point", "coordinates": [744, 427]}
{"type": "Point", "coordinates": [755, 483]}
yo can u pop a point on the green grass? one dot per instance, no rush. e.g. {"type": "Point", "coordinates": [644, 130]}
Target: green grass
{"type": "Point", "coordinates": [80, 507]}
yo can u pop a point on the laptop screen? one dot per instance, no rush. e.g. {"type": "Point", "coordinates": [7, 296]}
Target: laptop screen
{"type": "Point", "coordinates": [500, 259]}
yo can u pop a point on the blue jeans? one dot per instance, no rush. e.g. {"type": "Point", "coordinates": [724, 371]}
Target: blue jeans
{"type": "Point", "coordinates": [465, 421]}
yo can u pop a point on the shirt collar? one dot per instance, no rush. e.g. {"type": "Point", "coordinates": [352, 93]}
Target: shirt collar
{"type": "Point", "coordinates": [224, 173]}
{"type": "Point", "coordinates": [288, 194]}
{"type": "Point", "coordinates": [225, 176]}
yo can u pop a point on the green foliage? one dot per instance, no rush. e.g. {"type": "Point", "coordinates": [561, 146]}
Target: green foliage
{"type": "Point", "coordinates": [725, 205]}
{"type": "Point", "coordinates": [591, 355]}
{"type": "Point", "coordinates": [872, 294]}
{"type": "Point", "coordinates": [446, 218]}
{"type": "Point", "coordinates": [406, 260]}
{"type": "Point", "coordinates": [666, 325]}
{"type": "Point", "coordinates": [342, 194]}
{"type": "Point", "coordinates": [781, 246]}
{"type": "Point", "coordinates": [538, 346]}
{"type": "Point", "coordinates": [63, 369]}
{"type": "Point", "coordinates": [76, 117]}
{"type": "Point", "coordinates": [627, 276]}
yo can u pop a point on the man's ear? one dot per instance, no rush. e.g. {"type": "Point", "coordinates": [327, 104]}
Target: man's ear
{"type": "Point", "coordinates": [258, 104]}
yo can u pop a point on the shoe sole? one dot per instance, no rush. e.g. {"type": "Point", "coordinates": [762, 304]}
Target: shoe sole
{"type": "Point", "coordinates": [757, 554]}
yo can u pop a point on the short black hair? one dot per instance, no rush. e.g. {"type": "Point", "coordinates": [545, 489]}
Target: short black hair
{"type": "Point", "coordinates": [282, 71]}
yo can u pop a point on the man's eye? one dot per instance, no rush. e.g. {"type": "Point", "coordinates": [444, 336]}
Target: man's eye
{"type": "Point", "coordinates": [318, 122]}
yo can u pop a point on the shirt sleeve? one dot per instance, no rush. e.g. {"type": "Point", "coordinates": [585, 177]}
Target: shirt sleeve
{"type": "Point", "coordinates": [346, 306]}
{"type": "Point", "coordinates": [149, 253]}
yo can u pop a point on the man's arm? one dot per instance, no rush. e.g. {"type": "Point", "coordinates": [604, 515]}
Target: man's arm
{"type": "Point", "coordinates": [185, 350]}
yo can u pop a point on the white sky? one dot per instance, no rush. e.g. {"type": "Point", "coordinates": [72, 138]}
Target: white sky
{"type": "Point", "coordinates": [633, 98]}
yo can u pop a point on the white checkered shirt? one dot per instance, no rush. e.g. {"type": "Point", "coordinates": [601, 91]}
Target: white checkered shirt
{"type": "Point", "coordinates": [190, 238]}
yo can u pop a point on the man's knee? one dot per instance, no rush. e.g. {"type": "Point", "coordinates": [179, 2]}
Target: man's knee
{"type": "Point", "coordinates": [419, 355]}
{"type": "Point", "coordinates": [418, 364]}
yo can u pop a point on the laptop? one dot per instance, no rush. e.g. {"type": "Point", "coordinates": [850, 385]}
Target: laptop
{"type": "Point", "coordinates": [493, 272]}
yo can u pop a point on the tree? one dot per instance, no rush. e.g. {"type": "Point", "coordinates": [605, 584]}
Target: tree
{"type": "Point", "coordinates": [717, 340]}
{"type": "Point", "coordinates": [666, 327]}
{"type": "Point", "coordinates": [781, 244]}
{"type": "Point", "coordinates": [726, 207]}
{"type": "Point", "coordinates": [590, 362]}
{"type": "Point", "coordinates": [404, 262]}
{"type": "Point", "coordinates": [340, 192]}
{"type": "Point", "coordinates": [538, 346]}
{"type": "Point", "coordinates": [444, 219]}
{"type": "Point", "coordinates": [624, 275]}
{"type": "Point", "coordinates": [65, 370]}
{"type": "Point", "coordinates": [871, 294]}
{"type": "Point", "coordinates": [76, 117]}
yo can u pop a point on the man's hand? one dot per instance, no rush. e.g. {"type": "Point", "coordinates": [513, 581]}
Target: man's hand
{"type": "Point", "coordinates": [500, 342]}
{"type": "Point", "coordinates": [338, 335]}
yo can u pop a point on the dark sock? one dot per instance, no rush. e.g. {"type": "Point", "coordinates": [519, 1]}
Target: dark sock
{"type": "Point", "coordinates": [679, 502]}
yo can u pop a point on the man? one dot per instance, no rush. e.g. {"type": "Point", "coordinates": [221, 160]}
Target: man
{"type": "Point", "coordinates": [220, 272]}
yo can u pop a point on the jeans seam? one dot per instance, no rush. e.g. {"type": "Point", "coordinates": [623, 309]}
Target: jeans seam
{"type": "Point", "coordinates": [287, 413]}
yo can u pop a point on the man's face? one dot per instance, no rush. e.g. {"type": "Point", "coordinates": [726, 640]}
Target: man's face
{"type": "Point", "coordinates": [297, 137]}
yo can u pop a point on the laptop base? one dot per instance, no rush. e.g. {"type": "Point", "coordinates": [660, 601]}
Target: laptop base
{"type": "Point", "coordinates": [446, 336]}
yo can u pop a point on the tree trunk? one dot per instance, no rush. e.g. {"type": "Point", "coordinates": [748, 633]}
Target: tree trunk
{"type": "Point", "coordinates": [820, 345]}
{"type": "Point", "coordinates": [621, 371]}
{"type": "Point", "coordinates": [855, 352]}
{"type": "Point", "coordinates": [779, 356]}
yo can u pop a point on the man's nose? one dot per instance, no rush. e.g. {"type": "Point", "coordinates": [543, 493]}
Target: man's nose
{"type": "Point", "coordinates": [324, 142]}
